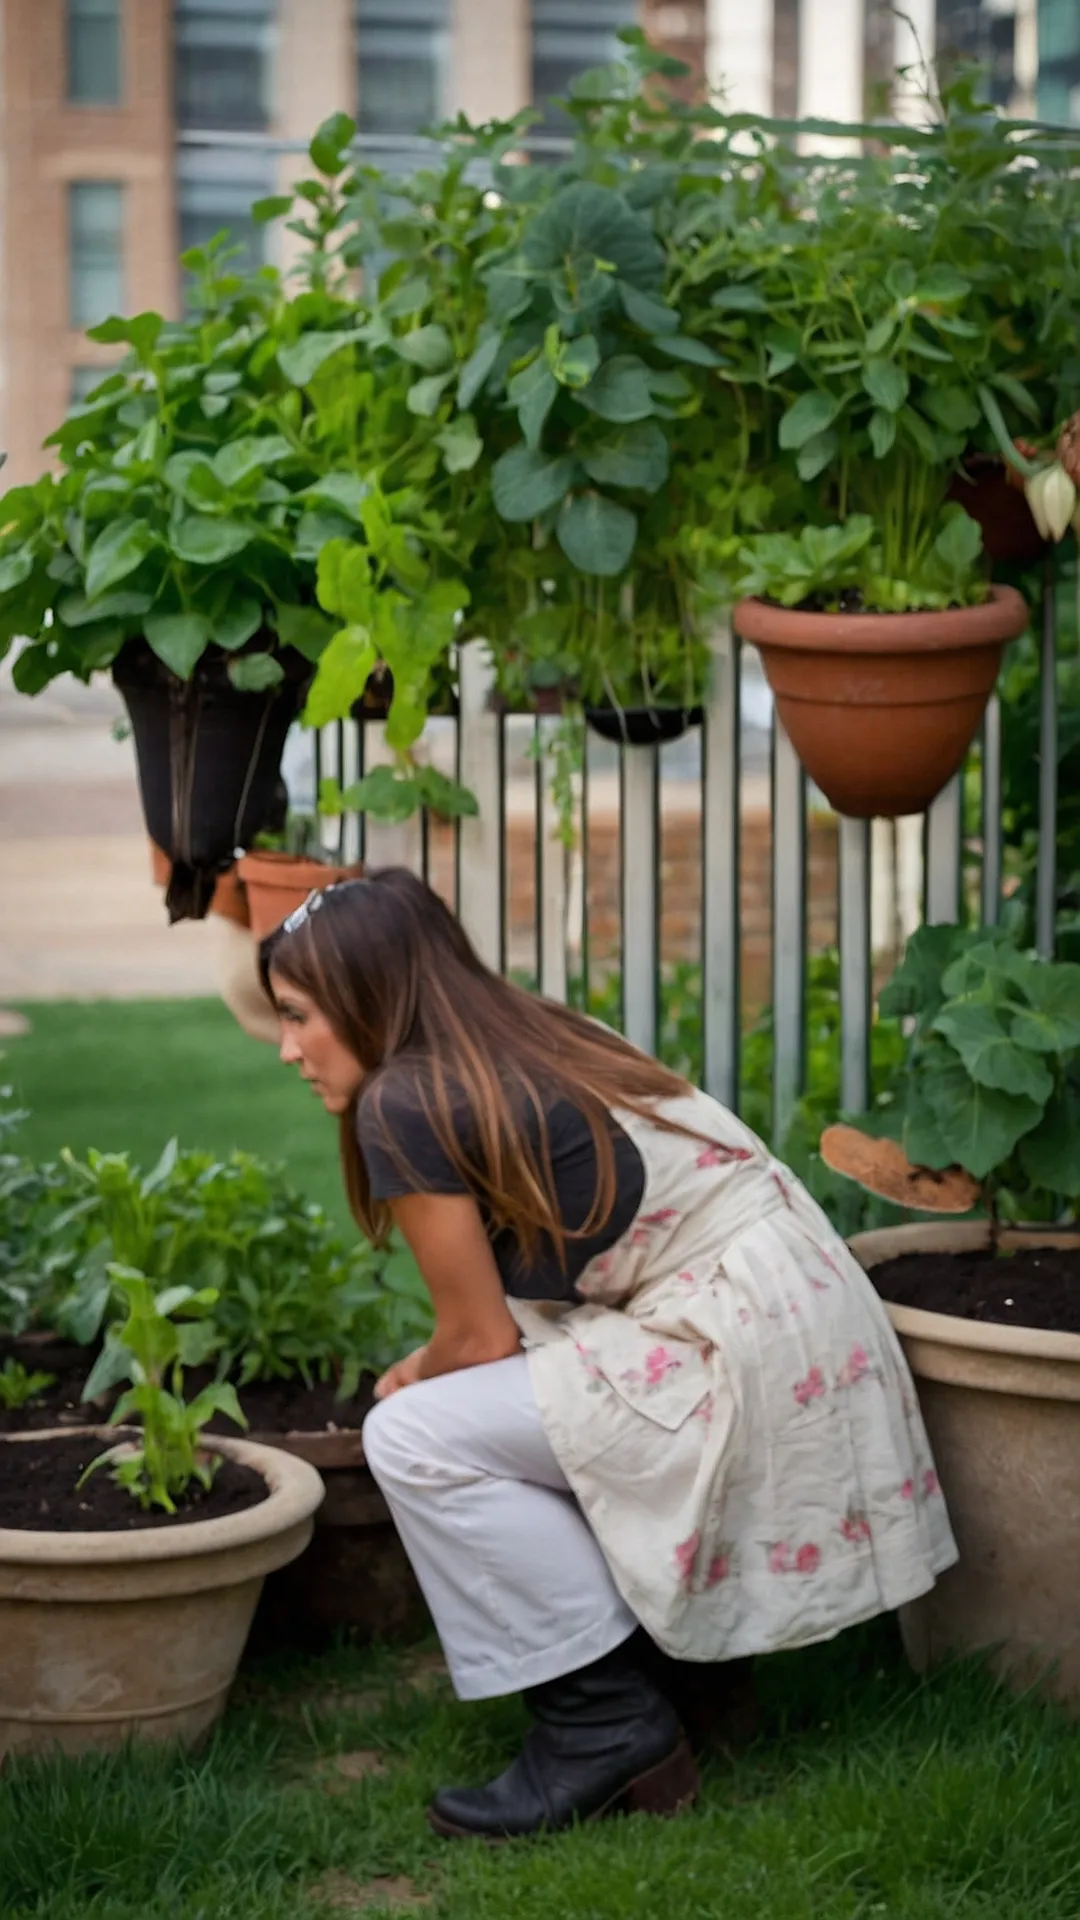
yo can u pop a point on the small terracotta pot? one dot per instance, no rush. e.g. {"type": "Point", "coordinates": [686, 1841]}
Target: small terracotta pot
{"type": "Point", "coordinates": [992, 494]}
{"type": "Point", "coordinates": [105, 1636]}
{"type": "Point", "coordinates": [229, 900]}
{"type": "Point", "coordinates": [882, 707]}
{"type": "Point", "coordinates": [278, 883]}
{"type": "Point", "coordinates": [1002, 1409]}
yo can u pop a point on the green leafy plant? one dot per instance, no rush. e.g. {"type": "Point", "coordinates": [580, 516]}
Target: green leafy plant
{"type": "Point", "coordinates": [830, 568]}
{"type": "Point", "coordinates": [161, 1334]}
{"type": "Point", "coordinates": [18, 1386]}
{"type": "Point", "coordinates": [991, 1078]}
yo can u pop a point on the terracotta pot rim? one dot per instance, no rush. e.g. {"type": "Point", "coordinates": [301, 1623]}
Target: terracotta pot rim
{"type": "Point", "coordinates": [296, 1491]}
{"type": "Point", "coordinates": [250, 865]}
{"type": "Point", "coordinates": [1004, 616]}
{"type": "Point", "coordinates": [950, 1330]}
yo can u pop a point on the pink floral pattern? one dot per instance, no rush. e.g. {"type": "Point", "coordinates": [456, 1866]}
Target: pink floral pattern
{"type": "Point", "coordinates": [686, 1554]}
{"type": "Point", "coordinates": [783, 1558]}
{"type": "Point", "coordinates": [719, 1568]}
{"type": "Point", "coordinates": [855, 1368]}
{"type": "Point", "coordinates": [715, 1155]}
{"type": "Point", "coordinates": [659, 1362]}
{"type": "Point", "coordinates": [812, 1388]}
{"type": "Point", "coordinates": [855, 1527]}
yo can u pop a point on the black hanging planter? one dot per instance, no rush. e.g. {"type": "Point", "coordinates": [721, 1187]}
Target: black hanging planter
{"type": "Point", "coordinates": [209, 760]}
{"type": "Point", "coordinates": [642, 726]}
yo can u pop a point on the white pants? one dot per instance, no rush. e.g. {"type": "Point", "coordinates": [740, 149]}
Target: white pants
{"type": "Point", "coordinates": [518, 1588]}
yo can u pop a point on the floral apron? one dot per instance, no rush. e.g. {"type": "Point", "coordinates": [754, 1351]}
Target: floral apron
{"type": "Point", "coordinates": [732, 1409]}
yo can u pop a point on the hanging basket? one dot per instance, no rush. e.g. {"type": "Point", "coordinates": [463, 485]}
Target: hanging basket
{"type": "Point", "coordinates": [642, 726]}
{"type": "Point", "coordinates": [882, 707]}
{"type": "Point", "coordinates": [209, 759]}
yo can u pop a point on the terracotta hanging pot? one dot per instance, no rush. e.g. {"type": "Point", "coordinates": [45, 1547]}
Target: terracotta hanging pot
{"type": "Point", "coordinates": [229, 899]}
{"type": "Point", "coordinates": [882, 707]}
{"type": "Point", "coordinates": [278, 883]}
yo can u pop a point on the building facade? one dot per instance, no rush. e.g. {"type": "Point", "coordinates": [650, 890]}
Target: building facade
{"type": "Point", "coordinates": [131, 129]}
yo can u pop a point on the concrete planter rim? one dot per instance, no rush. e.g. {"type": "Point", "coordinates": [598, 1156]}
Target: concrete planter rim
{"type": "Point", "coordinates": [295, 1492]}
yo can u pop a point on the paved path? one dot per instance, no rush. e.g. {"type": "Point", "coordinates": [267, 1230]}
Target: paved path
{"type": "Point", "coordinates": [79, 915]}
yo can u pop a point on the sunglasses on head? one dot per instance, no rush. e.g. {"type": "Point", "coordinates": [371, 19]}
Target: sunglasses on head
{"type": "Point", "coordinates": [302, 914]}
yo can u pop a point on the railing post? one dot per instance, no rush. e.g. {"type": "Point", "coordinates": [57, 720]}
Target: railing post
{"type": "Point", "coordinates": [991, 813]}
{"type": "Point", "coordinates": [789, 930]}
{"type": "Point", "coordinates": [481, 840]}
{"type": "Point", "coordinates": [944, 844]}
{"type": "Point", "coordinates": [640, 862]}
{"type": "Point", "coordinates": [552, 894]}
{"type": "Point", "coordinates": [855, 979]}
{"type": "Point", "coordinates": [1046, 866]}
{"type": "Point", "coordinates": [720, 873]}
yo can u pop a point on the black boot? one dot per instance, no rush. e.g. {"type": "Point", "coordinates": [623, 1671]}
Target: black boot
{"type": "Point", "coordinates": [606, 1740]}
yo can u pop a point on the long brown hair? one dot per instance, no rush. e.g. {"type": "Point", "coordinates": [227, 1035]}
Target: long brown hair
{"type": "Point", "coordinates": [400, 983]}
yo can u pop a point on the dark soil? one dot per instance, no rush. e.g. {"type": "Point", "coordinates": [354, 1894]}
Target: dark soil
{"type": "Point", "coordinates": [1031, 1288]}
{"type": "Point", "coordinates": [287, 1406]}
{"type": "Point", "coordinates": [59, 1405]}
{"type": "Point", "coordinates": [39, 1491]}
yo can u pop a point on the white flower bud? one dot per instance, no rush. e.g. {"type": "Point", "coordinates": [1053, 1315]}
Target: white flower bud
{"type": "Point", "coordinates": [1051, 495]}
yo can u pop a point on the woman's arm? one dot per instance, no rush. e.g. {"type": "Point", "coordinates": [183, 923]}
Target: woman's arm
{"type": "Point", "coordinates": [473, 1323]}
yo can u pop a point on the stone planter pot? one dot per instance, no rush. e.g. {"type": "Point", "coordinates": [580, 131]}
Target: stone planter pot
{"type": "Point", "coordinates": [108, 1635]}
{"type": "Point", "coordinates": [1002, 1408]}
{"type": "Point", "coordinates": [882, 707]}
{"type": "Point", "coordinates": [355, 1574]}
{"type": "Point", "coordinates": [277, 883]}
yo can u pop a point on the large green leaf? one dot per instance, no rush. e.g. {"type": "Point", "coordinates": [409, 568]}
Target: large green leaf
{"type": "Point", "coordinates": [301, 361]}
{"type": "Point", "coordinates": [1049, 1154]}
{"type": "Point", "coordinates": [238, 621]}
{"type": "Point", "coordinates": [696, 353]}
{"type": "Point", "coordinates": [596, 534]}
{"type": "Point", "coordinates": [619, 390]}
{"type": "Point", "coordinates": [526, 484]}
{"type": "Point", "coordinates": [882, 432]}
{"type": "Point", "coordinates": [304, 628]}
{"type": "Point", "coordinates": [991, 1057]}
{"type": "Point", "coordinates": [886, 383]}
{"type": "Point", "coordinates": [810, 414]}
{"type": "Point", "coordinates": [916, 986]}
{"type": "Point", "coordinates": [75, 610]}
{"type": "Point", "coordinates": [589, 231]}
{"type": "Point", "coordinates": [203, 542]}
{"type": "Point", "coordinates": [329, 148]}
{"type": "Point", "coordinates": [118, 550]}
{"type": "Point", "coordinates": [980, 1126]}
{"type": "Point", "coordinates": [533, 392]}
{"type": "Point", "coordinates": [191, 474]}
{"type": "Point", "coordinates": [424, 395]}
{"type": "Point", "coordinates": [632, 456]}
{"type": "Point", "coordinates": [1052, 1023]}
{"type": "Point", "coordinates": [344, 491]}
{"type": "Point", "coordinates": [179, 639]}
{"type": "Point", "coordinates": [644, 310]}
{"type": "Point", "coordinates": [341, 677]}
{"type": "Point", "coordinates": [461, 444]}
{"type": "Point", "coordinates": [427, 347]}
{"type": "Point", "coordinates": [17, 567]}
{"type": "Point", "coordinates": [255, 672]}
{"type": "Point", "coordinates": [141, 331]}
{"type": "Point", "coordinates": [237, 461]}
{"type": "Point", "coordinates": [952, 408]}
{"type": "Point", "coordinates": [476, 370]}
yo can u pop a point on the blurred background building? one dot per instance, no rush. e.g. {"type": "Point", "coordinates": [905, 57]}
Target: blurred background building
{"type": "Point", "coordinates": [130, 129]}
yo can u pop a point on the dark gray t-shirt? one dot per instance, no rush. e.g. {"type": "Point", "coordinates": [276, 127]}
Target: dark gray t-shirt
{"type": "Point", "coordinates": [398, 1121]}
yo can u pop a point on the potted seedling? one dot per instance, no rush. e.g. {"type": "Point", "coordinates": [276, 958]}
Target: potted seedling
{"type": "Point", "coordinates": [988, 1309]}
{"type": "Point", "coordinates": [129, 1577]}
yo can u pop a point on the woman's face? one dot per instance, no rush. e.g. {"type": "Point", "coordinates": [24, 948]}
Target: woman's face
{"type": "Point", "coordinates": [309, 1042]}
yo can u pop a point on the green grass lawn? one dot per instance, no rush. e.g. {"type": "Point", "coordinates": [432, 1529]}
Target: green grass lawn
{"type": "Point", "coordinates": [869, 1794]}
{"type": "Point", "coordinates": [131, 1074]}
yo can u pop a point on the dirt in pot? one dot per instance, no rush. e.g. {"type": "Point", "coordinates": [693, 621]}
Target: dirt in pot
{"type": "Point", "coordinates": [58, 1403]}
{"type": "Point", "coordinates": [39, 1491]}
{"type": "Point", "coordinates": [288, 1406]}
{"type": "Point", "coordinates": [1034, 1287]}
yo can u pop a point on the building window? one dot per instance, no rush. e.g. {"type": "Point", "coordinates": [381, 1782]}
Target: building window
{"type": "Point", "coordinates": [214, 189]}
{"type": "Point", "coordinates": [567, 38]}
{"type": "Point", "coordinates": [95, 250]}
{"type": "Point", "coordinates": [93, 53]}
{"type": "Point", "coordinates": [401, 48]}
{"type": "Point", "coordinates": [223, 63]}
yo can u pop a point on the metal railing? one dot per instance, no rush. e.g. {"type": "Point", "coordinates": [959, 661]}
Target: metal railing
{"type": "Point", "coordinates": [485, 750]}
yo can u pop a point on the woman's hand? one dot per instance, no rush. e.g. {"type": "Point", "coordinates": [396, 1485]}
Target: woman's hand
{"type": "Point", "coordinates": [403, 1373]}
